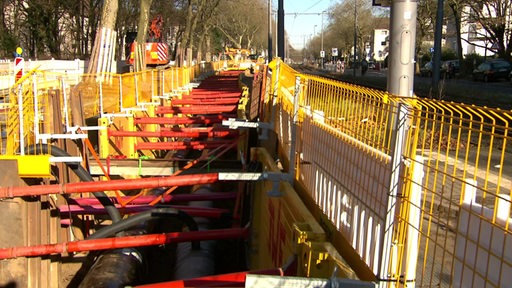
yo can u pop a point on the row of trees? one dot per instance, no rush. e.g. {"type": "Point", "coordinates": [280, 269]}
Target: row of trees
{"type": "Point", "coordinates": [65, 29]}
{"type": "Point", "coordinates": [493, 16]}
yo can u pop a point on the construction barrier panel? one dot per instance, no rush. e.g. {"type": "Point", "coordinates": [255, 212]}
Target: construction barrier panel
{"type": "Point", "coordinates": [401, 213]}
{"type": "Point", "coordinates": [283, 227]}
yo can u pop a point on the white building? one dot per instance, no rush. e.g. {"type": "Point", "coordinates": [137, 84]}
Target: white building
{"type": "Point", "coordinates": [380, 44]}
{"type": "Point", "coordinates": [473, 35]}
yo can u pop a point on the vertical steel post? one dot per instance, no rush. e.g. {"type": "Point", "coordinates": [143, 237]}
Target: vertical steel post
{"type": "Point", "coordinates": [436, 61]}
{"type": "Point", "coordinates": [269, 56]}
{"type": "Point", "coordinates": [402, 47]}
{"type": "Point", "coordinates": [293, 132]}
{"type": "Point", "coordinates": [400, 83]}
{"type": "Point", "coordinates": [21, 122]}
{"type": "Point", "coordinates": [103, 140]}
{"type": "Point", "coordinates": [275, 91]}
{"type": "Point", "coordinates": [36, 112]}
{"type": "Point", "coordinates": [355, 39]}
{"type": "Point", "coordinates": [280, 30]}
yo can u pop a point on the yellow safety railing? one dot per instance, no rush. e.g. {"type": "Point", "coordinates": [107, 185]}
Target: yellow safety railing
{"type": "Point", "coordinates": [439, 218]}
{"type": "Point", "coordinates": [59, 103]}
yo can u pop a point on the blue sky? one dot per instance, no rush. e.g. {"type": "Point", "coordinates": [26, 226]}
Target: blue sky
{"type": "Point", "coordinates": [300, 27]}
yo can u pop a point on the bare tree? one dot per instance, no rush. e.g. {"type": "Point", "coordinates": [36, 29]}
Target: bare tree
{"type": "Point", "coordinates": [343, 24]}
{"type": "Point", "coordinates": [493, 16]}
{"type": "Point", "coordinates": [206, 20]}
{"type": "Point", "coordinates": [140, 52]}
{"type": "Point", "coordinates": [240, 22]}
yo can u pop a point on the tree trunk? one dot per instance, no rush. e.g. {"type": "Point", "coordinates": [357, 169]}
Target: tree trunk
{"type": "Point", "coordinates": [108, 21]}
{"type": "Point", "coordinates": [109, 14]}
{"type": "Point", "coordinates": [188, 28]}
{"type": "Point", "coordinates": [456, 15]}
{"type": "Point", "coordinates": [140, 56]}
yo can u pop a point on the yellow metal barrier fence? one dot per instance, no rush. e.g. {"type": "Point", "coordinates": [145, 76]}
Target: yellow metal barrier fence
{"type": "Point", "coordinates": [45, 106]}
{"type": "Point", "coordinates": [440, 218]}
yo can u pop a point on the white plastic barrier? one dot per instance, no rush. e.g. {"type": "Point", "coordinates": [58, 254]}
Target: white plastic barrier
{"type": "Point", "coordinates": [483, 251]}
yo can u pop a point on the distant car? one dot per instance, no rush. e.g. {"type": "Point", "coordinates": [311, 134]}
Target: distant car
{"type": "Point", "coordinates": [492, 70]}
{"type": "Point", "coordinates": [371, 64]}
{"type": "Point", "coordinates": [428, 68]}
{"type": "Point", "coordinates": [451, 68]}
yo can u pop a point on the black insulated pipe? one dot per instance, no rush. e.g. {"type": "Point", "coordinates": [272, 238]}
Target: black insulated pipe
{"type": "Point", "coordinates": [114, 268]}
{"type": "Point", "coordinates": [83, 174]}
{"type": "Point", "coordinates": [139, 218]}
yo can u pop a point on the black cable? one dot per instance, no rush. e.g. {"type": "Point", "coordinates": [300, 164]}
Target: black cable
{"type": "Point", "coordinates": [137, 219]}
{"type": "Point", "coordinates": [83, 174]}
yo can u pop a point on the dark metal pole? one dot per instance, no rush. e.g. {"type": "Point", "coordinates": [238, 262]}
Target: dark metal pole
{"type": "Point", "coordinates": [436, 61]}
{"type": "Point", "coordinates": [355, 39]}
{"type": "Point", "coordinates": [280, 30]}
{"type": "Point", "coordinates": [269, 30]}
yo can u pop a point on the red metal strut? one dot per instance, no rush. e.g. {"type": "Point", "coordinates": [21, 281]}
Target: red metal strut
{"type": "Point", "coordinates": [111, 185]}
{"type": "Point", "coordinates": [236, 279]}
{"type": "Point", "coordinates": [122, 242]}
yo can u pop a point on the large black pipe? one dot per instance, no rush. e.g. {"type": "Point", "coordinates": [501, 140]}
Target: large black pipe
{"type": "Point", "coordinates": [140, 218]}
{"type": "Point", "coordinates": [114, 268]}
{"type": "Point", "coordinates": [121, 267]}
{"type": "Point", "coordinates": [83, 174]}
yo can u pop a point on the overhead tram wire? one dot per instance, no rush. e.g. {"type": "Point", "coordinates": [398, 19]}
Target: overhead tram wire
{"type": "Point", "coordinates": [318, 2]}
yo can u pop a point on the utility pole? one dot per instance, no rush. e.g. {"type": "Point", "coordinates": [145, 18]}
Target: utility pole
{"type": "Point", "coordinates": [322, 41]}
{"type": "Point", "coordinates": [436, 61]}
{"type": "Point", "coordinates": [280, 30]}
{"type": "Point", "coordinates": [269, 56]}
{"type": "Point", "coordinates": [400, 83]}
{"type": "Point", "coordinates": [402, 47]}
{"type": "Point", "coordinates": [355, 39]}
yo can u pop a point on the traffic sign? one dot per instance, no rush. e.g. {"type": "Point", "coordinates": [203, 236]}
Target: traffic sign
{"type": "Point", "coordinates": [334, 51]}
{"type": "Point", "coordinates": [322, 54]}
{"type": "Point", "coordinates": [19, 64]}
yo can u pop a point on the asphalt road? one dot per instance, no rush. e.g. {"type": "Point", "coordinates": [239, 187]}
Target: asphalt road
{"type": "Point", "coordinates": [496, 94]}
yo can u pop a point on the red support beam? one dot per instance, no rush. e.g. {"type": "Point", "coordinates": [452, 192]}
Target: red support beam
{"type": "Point", "coordinates": [198, 132]}
{"type": "Point", "coordinates": [122, 242]}
{"type": "Point", "coordinates": [206, 101]}
{"type": "Point", "coordinates": [206, 120]}
{"type": "Point", "coordinates": [111, 185]}
{"type": "Point", "coordinates": [68, 210]}
{"type": "Point", "coordinates": [236, 279]}
{"type": "Point", "coordinates": [182, 145]}
{"type": "Point", "coordinates": [213, 196]}
{"type": "Point", "coordinates": [203, 109]}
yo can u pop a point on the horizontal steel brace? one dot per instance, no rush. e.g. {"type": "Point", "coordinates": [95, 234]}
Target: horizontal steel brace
{"type": "Point", "coordinates": [233, 123]}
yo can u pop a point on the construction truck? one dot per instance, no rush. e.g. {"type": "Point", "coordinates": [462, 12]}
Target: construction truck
{"type": "Point", "coordinates": [238, 58]}
{"type": "Point", "coordinates": [157, 52]}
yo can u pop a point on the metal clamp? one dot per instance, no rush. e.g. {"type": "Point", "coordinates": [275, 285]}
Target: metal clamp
{"type": "Point", "coordinates": [234, 123]}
